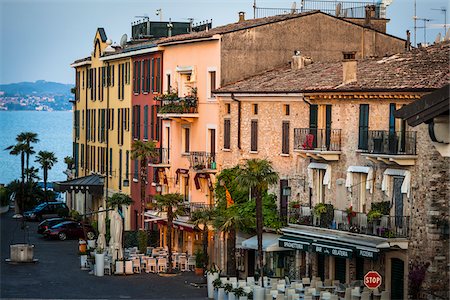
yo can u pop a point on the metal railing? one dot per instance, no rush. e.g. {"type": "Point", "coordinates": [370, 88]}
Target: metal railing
{"type": "Point", "coordinates": [391, 142]}
{"type": "Point", "coordinates": [200, 160]}
{"type": "Point", "coordinates": [317, 139]}
{"type": "Point", "coordinates": [162, 158]}
{"type": "Point", "coordinates": [190, 208]}
{"type": "Point", "coordinates": [178, 105]}
{"type": "Point", "coordinates": [385, 226]}
{"type": "Point", "coordinates": [345, 9]}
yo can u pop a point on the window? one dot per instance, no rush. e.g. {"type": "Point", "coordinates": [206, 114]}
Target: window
{"type": "Point", "coordinates": [77, 84]}
{"type": "Point", "coordinates": [363, 133]}
{"type": "Point", "coordinates": [146, 122]}
{"type": "Point", "coordinates": [212, 83]}
{"type": "Point", "coordinates": [127, 73]}
{"type": "Point", "coordinates": [82, 156]}
{"type": "Point", "coordinates": [254, 136]}
{"type": "Point", "coordinates": [120, 169]}
{"type": "Point", "coordinates": [169, 83]}
{"type": "Point", "coordinates": [391, 119]}
{"type": "Point", "coordinates": [136, 169]}
{"type": "Point", "coordinates": [359, 192]}
{"type": "Point", "coordinates": [127, 164]}
{"type": "Point", "coordinates": [112, 76]}
{"type": "Point", "coordinates": [158, 75]}
{"type": "Point", "coordinates": [285, 138]}
{"type": "Point", "coordinates": [226, 133]}
{"type": "Point", "coordinates": [146, 81]}
{"type": "Point", "coordinates": [255, 109]}
{"type": "Point", "coordinates": [287, 109]}
{"type": "Point", "coordinates": [228, 107]}
{"type": "Point", "coordinates": [186, 139]}
{"type": "Point", "coordinates": [110, 161]}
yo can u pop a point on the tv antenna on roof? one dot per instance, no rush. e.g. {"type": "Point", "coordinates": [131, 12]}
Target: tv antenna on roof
{"type": "Point", "coordinates": [444, 10]}
{"type": "Point", "coordinates": [145, 17]}
{"type": "Point", "coordinates": [425, 20]}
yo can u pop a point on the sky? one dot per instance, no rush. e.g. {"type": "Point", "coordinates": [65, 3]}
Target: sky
{"type": "Point", "coordinates": [40, 38]}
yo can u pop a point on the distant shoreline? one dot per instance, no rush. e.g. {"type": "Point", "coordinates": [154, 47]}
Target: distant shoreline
{"type": "Point", "coordinates": [15, 110]}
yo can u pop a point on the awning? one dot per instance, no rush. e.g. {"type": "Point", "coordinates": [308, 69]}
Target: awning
{"type": "Point", "coordinates": [206, 176]}
{"type": "Point", "coordinates": [184, 226]}
{"type": "Point", "coordinates": [332, 243]}
{"type": "Point", "coordinates": [318, 166]}
{"type": "Point", "coordinates": [270, 243]}
{"type": "Point", "coordinates": [181, 171]}
{"type": "Point", "coordinates": [184, 69]}
{"type": "Point", "coordinates": [92, 184]}
{"type": "Point", "coordinates": [406, 185]}
{"type": "Point", "coordinates": [360, 169]}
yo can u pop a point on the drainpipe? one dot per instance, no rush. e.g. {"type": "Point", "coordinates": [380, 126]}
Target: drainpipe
{"type": "Point", "coordinates": [108, 119]}
{"type": "Point", "coordinates": [86, 157]}
{"type": "Point", "coordinates": [239, 119]}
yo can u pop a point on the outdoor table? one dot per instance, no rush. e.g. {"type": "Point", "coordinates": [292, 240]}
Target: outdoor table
{"type": "Point", "coordinates": [329, 288]}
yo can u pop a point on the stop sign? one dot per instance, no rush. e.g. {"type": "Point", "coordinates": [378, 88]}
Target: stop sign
{"type": "Point", "coordinates": [372, 279]}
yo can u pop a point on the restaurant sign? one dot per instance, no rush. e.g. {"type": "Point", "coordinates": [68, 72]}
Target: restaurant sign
{"type": "Point", "coordinates": [293, 244]}
{"type": "Point", "coordinates": [367, 253]}
{"type": "Point", "coordinates": [333, 250]}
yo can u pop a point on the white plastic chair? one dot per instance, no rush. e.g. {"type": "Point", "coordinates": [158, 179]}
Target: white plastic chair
{"type": "Point", "coordinates": [136, 265]}
{"type": "Point", "coordinates": [306, 281]}
{"type": "Point", "coordinates": [191, 263]}
{"type": "Point", "coordinates": [151, 265]}
{"type": "Point", "coordinates": [162, 264]}
{"type": "Point", "coordinates": [182, 263]}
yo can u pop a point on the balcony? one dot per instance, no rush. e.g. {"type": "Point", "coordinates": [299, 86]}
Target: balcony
{"type": "Point", "coordinates": [319, 144]}
{"type": "Point", "coordinates": [174, 107]}
{"type": "Point", "coordinates": [202, 161]}
{"type": "Point", "coordinates": [385, 226]}
{"type": "Point", "coordinates": [162, 160]}
{"type": "Point", "coordinates": [391, 147]}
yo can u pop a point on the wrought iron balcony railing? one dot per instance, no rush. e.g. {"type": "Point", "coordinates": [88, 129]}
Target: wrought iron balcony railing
{"type": "Point", "coordinates": [200, 160]}
{"type": "Point", "coordinates": [391, 142]}
{"type": "Point", "coordinates": [162, 158]}
{"type": "Point", "coordinates": [189, 208]}
{"type": "Point", "coordinates": [172, 104]}
{"type": "Point", "coordinates": [385, 226]}
{"type": "Point", "coordinates": [317, 139]}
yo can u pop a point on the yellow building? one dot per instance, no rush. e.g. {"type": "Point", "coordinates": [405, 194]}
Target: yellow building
{"type": "Point", "coordinates": [102, 136]}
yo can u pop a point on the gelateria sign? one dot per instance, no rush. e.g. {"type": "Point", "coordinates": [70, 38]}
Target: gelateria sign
{"type": "Point", "coordinates": [333, 250]}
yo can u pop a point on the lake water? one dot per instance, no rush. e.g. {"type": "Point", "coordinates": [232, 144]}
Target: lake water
{"type": "Point", "coordinates": [54, 131]}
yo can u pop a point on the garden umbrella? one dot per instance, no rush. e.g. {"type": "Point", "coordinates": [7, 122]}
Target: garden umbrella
{"type": "Point", "coordinates": [112, 229]}
{"type": "Point", "coordinates": [101, 241]}
{"type": "Point", "coordinates": [116, 235]}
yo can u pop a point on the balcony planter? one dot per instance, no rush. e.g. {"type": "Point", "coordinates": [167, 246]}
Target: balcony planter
{"type": "Point", "coordinates": [210, 278]}
{"type": "Point", "coordinates": [99, 262]}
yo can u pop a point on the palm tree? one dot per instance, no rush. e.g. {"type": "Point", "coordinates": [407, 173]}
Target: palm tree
{"type": "Point", "coordinates": [19, 149]}
{"type": "Point", "coordinates": [28, 138]}
{"type": "Point", "coordinates": [143, 151]}
{"type": "Point", "coordinates": [46, 159]}
{"type": "Point", "coordinates": [172, 204]}
{"type": "Point", "coordinates": [258, 174]}
{"type": "Point", "coordinates": [204, 217]}
{"type": "Point", "coordinates": [32, 174]}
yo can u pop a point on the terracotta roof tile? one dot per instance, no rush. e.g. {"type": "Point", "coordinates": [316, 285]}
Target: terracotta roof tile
{"type": "Point", "coordinates": [423, 68]}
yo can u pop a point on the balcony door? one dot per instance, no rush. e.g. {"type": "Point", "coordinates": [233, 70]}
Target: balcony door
{"type": "Point", "coordinates": [363, 127]}
{"type": "Point", "coordinates": [313, 123]}
{"type": "Point", "coordinates": [283, 200]}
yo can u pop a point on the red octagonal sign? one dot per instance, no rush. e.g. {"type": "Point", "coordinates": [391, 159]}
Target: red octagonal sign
{"type": "Point", "coordinates": [372, 279]}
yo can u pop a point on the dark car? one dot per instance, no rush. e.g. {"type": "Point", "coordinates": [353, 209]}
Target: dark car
{"type": "Point", "coordinates": [70, 230]}
{"type": "Point", "coordinates": [47, 210]}
{"type": "Point", "coordinates": [49, 223]}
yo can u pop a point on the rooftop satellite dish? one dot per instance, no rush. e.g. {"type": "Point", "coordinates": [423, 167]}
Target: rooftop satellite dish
{"type": "Point", "coordinates": [123, 40]}
{"type": "Point", "coordinates": [294, 7]}
{"type": "Point", "coordinates": [338, 9]}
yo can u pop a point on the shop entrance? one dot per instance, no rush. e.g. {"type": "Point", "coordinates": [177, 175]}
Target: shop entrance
{"type": "Point", "coordinates": [397, 278]}
{"type": "Point", "coordinates": [321, 266]}
{"type": "Point", "coordinates": [340, 268]}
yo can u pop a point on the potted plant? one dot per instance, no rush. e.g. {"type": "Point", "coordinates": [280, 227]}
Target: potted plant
{"type": "Point", "coordinates": [99, 261]}
{"type": "Point", "coordinates": [239, 293]}
{"type": "Point", "coordinates": [199, 262]}
{"type": "Point", "coordinates": [211, 274]}
{"type": "Point", "coordinates": [228, 287]}
{"type": "Point", "coordinates": [320, 209]}
{"type": "Point", "coordinates": [350, 214]}
{"type": "Point", "coordinates": [217, 284]}
{"type": "Point", "coordinates": [373, 215]}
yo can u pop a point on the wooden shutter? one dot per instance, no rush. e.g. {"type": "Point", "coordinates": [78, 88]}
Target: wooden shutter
{"type": "Point", "coordinates": [254, 135]}
{"type": "Point", "coordinates": [227, 134]}
{"type": "Point", "coordinates": [328, 126]}
{"type": "Point", "coordinates": [363, 126]}
{"type": "Point", "coordinates": [285, 138]}
{"type": "Point", "coordinates": [146, 122]}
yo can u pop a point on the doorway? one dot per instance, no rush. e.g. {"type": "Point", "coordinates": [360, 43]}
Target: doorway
{"type": "Point", "coordinates": [397, 278]}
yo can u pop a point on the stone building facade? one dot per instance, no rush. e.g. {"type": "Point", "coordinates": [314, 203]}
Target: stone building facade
{"type": "Point", "coordinates": [336, 141]}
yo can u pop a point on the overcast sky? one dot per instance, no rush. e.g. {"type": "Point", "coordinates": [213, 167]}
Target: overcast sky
{"type": "Point", "coordinates": [40, 38]}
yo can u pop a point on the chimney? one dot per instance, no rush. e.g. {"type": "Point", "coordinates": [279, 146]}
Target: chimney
{"type": "Point", "coordinates": [369, 14]}
{"type": "Point", "coordinates": [349, 68]}
{"type": "Point", "coordinates": [408, 41]}
{"type": "Point", "coordinates": [241, 16]}
{"type": "Point", "coordinates": [299, 61]}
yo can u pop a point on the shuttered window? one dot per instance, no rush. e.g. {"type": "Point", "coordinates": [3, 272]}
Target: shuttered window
{"type": "Point", "coordinates": [254, 136]}
{"type": "Point", "coordinates": [363, 126]}
{"type": "Point", "coordinates": [146, 122]}
{"type": "Point", "coordinates": [285, 138]}
{"type": "Point", "coordinates": [152, 122]}
{"type": "Point", "coordinates": [226, 133]}
{"type": "Point", "coordinates": [186, 140]}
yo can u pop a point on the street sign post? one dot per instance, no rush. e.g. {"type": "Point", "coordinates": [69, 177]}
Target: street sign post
{"type": "Point", "coordinates": [372, 279]}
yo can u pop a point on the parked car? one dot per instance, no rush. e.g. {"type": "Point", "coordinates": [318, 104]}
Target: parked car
{"type": "Point", "coordinates": [70, 230]}
{"type": "Point", "coordinates": [49, 223]}
{"type": "Point", "coordinates": [46, 211]}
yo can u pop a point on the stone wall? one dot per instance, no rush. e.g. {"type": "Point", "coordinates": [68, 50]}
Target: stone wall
{"type": "Point", "coordinates": [430, 211]}
{"type": "Point", "coordinates": [320, 36]}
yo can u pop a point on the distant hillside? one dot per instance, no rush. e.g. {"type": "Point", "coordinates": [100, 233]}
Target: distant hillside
{"type": "Point", "coordinates": [40, 87]}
